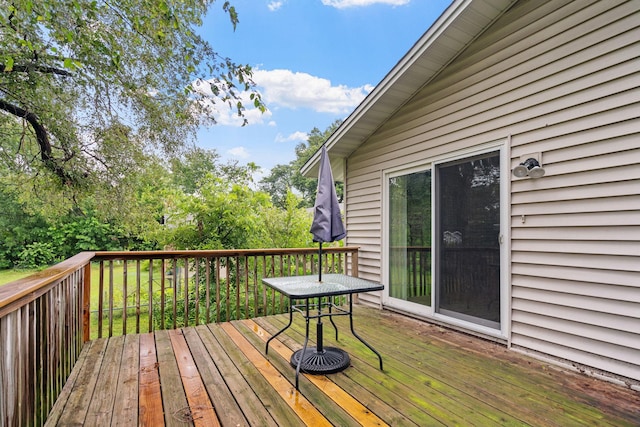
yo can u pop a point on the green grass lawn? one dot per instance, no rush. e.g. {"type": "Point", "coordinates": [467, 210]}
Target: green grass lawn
{"type": "Point", "coordinates": [118, 299]}
{"type": "Point", "coordinates": [7, 276]}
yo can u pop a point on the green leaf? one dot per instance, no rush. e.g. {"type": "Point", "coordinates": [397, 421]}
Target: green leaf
{"type": "Point", "coordinates": [8, 64]}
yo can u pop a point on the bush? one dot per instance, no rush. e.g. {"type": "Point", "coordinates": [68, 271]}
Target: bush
{"type": "Point", "coordinates": [37, 255]}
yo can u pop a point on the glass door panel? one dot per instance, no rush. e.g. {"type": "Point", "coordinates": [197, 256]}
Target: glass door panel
{"type": "Point", "coordinates": [468, 229]}
{"type": "Point", "coordinates": [410, 237]}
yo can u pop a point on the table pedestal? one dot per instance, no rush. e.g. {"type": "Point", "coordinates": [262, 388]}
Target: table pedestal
{"type": "Point", "coordinates": [320, 360]}
{"type": "Point", "coordinates": [327, 361]}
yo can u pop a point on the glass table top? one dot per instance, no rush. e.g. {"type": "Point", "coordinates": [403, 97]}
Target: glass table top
{"type": "Point", "coordinates": [300, 287]}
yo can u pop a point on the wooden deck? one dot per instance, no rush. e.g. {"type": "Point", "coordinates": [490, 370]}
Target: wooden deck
{"type": "Point", "coordinates": [218, 374]}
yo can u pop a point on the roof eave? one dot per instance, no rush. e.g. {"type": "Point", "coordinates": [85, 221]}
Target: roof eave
{"type": "Point", "coordinates": [450, 34]}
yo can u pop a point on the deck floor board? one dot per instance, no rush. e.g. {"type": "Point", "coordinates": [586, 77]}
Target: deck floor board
{"type": "Point", "coordinates": [432, 376]}
{"type": "Point", "coordinates": [213, 381]}
{"type": "Point", "coordinates": [125, 410]}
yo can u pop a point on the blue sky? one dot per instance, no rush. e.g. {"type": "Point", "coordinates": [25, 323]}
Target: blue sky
{"type": "Point", "coordinates": [314, 61]}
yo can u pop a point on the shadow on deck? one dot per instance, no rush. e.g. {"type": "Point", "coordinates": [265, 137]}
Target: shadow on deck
{"type": "Point", "coordinates": [218, 374]}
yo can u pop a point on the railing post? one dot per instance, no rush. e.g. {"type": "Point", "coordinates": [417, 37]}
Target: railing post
{"type": "Point", "coordinates": [354, 263]}
{"type": "Point", "coordinates": [354, 273]}
{"type": "Point", "coordinates": [86, 303]}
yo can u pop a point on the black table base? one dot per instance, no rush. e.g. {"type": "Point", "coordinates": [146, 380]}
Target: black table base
{"type": "Point", "coordinates": [320, 360]}
{"type": "Point", "coordinates": [327, 361]}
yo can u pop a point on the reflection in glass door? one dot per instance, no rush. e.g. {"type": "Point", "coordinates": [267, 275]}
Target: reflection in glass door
{"type": "Point", "coordinates": [410, 237]}
{"type": "Point", "coordinates": [468, 249]}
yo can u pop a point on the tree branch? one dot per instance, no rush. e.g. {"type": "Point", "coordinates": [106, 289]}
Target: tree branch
{"type": "Point", "coordinates": [39, 68]}
{"type": "Point", "coordinates": [41, 136]}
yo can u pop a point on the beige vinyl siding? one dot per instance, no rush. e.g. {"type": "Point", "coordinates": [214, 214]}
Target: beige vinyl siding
{"type": "Point", "coordinates": [561, 78]}
{"type": "Point", "coordinates": [363, 213]}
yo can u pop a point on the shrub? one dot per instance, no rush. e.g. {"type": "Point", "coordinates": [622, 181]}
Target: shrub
{"type": "Point", "coordinates": [37, 255]}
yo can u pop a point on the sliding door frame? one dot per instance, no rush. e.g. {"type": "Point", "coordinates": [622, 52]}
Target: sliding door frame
{"type": "Point", "coordinates": [428, 312]}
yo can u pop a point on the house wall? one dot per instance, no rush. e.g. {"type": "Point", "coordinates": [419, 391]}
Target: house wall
{"type": "Point", "coordinates": [561, 78]}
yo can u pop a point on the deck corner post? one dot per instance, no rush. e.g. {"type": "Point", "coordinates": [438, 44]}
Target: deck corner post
{"type": "Point", "coordinates": [354, 263]}
{"type": "Point", "coordinates": [86, 303]}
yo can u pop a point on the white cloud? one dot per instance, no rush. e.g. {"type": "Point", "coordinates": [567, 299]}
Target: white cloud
{"type": "Point", "coordinates": [223, 113]}
{"type": "Point", "coordinates": [239, 152]}
{"type": "Point", "coordinates": [343, 4]}
{"type": "Point", "coordinates": [296, 136]}
{"type": "Point", "coordinates": [228, 116]}
{"type": "Point", "coordinates": [282, 88]}
{"type": "Point", "coordinates": [285, 88]}
{"type": "Point", "coordinates": [274, 5]}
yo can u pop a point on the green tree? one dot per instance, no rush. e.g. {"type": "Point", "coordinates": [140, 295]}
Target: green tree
{"type": "Point", "coordinates": [85, 80]}
{"type": "Point", "coordinates": [284, 178]}
{"type": "Point", "coordinates": [77, 233]}
{"type": "Point", "coordinates": [288, 227]}
{"type": "Point", "coordinates": [223, 215]}
{"type": "Point", "coordinates": [18, 227]}
{"type": "Point", "coordinates": [278, 184]}
{"type": "Point", "coordinates": [189, 170]}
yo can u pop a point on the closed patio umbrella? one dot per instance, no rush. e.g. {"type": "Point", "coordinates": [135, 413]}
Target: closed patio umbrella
{"type": "Point", "coordinates": [327, 226]}
{"type": "Point", "coordinates": [327, 223]}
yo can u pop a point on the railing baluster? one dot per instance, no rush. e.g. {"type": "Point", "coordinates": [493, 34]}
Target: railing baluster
{"type": "Point", "coordinates": [207, 262]}
{"type": "Point", "coordinates": [186, 292]}
{"type": "Point", "coordinates": [175, 278]}
{"type": "Point", "coordinates": [218, 285]}
{"type": "Point", "coordinates": [100, 298]}
{"type": "Point", "coordinates": [137, 294]}
{"type": "Point", "coordinates": [150, 296]}
{"type": "Point", "coordinates": [110, 298]}
{"type": "Point", "coordinates": [246, 288]}
{"type": "Point", "coordinates": [264, 290]}
{"type": "Point", "coordinates": [40, 374]}
{"type": "Point", "coordinates": [237, 296]}
{"type": "Point", "coordinates": [257, 310]}
{"type": "Point", "coordinates": [228, 286]}
{"type": "Point", "coordinates": [124, 297]}
{"type": "Point", "coordinates": [196, 262]}
{"type": "Point", "coordinates": [273, 274]}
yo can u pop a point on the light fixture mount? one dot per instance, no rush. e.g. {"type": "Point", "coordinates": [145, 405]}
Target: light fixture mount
{"type": "Point", "coordinates": [530, 166]}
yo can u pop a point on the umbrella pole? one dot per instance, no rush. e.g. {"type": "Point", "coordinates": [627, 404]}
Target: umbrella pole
{"type": "Point", "coordinates": [319, 261]}
{"type": "Point", "coordinates": [319, 333]}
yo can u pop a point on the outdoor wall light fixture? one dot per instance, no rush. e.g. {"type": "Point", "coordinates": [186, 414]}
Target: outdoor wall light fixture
{"type": "Point", "coordinates": [530, 167]}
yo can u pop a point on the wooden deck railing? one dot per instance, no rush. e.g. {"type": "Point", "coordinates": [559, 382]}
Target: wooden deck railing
{"type": "Point", "coordinates": [145, 291]}
{"type": "Point", "coordinates": [43, 323]}
{"type": "Point", "coordinates": [45, 318]}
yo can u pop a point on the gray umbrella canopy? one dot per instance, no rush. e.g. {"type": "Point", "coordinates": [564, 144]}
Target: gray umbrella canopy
{"type": "Point", "coordinates": [327, 223]}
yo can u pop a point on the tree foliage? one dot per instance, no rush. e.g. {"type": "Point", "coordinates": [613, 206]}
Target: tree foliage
{"type": "Point", "coordinates": [85, 84]}
{"type": "Point", "coordinates": [287, 227]}
{"type": "Point", "coordinates": [223, 215]}
{"type": "Point", "coordinates": [227, 213]}
{"type": "Point", "coordinates": [18, 227]}
{"type": "Point", "coordinates": [191, 202]}
{"type": "Point", "coordinates": [284, 178]}
{"type": "Point", "coordinates": [99, 105]}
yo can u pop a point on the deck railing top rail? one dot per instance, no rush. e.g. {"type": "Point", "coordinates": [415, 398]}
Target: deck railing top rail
{"type": "Point", "coordinates": [217, 253]}
{"type": "Point", "coordinates": [22, 291]}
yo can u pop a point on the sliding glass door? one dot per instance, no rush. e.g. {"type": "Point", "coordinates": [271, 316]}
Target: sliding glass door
{"type": "Point", "coordinates": [410, 237]}
{"type": "Point", "coordinates": [467, 247]}
{"type": "Point", "coordinates": [443, 239]}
